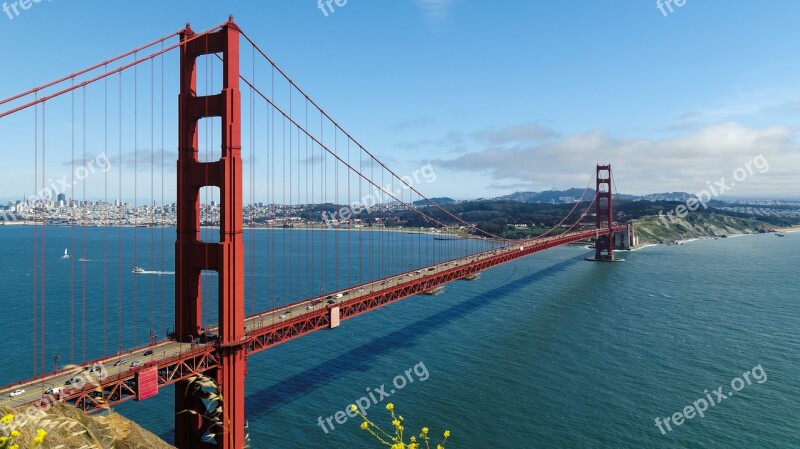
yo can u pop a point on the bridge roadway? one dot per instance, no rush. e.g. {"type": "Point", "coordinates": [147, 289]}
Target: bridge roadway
{"type": "Point", "coordinates": [117, 380]}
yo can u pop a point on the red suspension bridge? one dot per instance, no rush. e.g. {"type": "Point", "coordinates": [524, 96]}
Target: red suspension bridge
{"type": "Point", "coordinates": [297, 163]}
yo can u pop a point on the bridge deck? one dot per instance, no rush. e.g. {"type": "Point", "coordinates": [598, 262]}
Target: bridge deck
{"type": "Point", "coordinates": [177, 361]}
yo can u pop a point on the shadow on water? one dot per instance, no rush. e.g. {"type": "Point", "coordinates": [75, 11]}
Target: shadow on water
{"type": "Point", "coordinates": [267, 400]}
{"type": "Point", "coordinates": [288, 390]}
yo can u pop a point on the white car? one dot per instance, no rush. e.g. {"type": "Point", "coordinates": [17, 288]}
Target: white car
{"type": "Point", "coordinates": [16, 393]}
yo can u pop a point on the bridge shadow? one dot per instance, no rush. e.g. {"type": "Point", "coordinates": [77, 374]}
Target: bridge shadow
{"type": "Point", "coordinates": [267, 400]}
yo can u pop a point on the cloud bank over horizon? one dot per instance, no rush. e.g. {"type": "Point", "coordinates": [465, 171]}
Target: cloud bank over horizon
{"type": "Point", "coordinates": [528, 156]}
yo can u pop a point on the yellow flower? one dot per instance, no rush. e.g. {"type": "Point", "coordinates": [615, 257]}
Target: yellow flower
{"type": "Point", "coordinates": [39, 438]}
{"type": "Point", "coordinates": [396, 423]}
{"type": "Point", "coordinates": [439, 446]}
{"type": "Point", "coordinates": [364, 425]}
{"type": "Point", "coordinates": [390, 406]}
{"type": "Point", "coordinates": [424, 431]}
{"type": "Point", "coordinates": [7, 419]}
{"type": "Point", "coordinates": [15, 434]}
{"type": "Point", "coordinates": [447, 434]}
{"type": "Point", "coordinates": [353, 408]}
{"type": "Point", "coordinates": [3, 440]}
{"type": "Point", "coordinates": [14, 446]}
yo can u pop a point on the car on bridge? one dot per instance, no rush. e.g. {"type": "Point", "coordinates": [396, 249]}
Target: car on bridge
{"type": "Point", "coordinates": [16, 393]}
{"type": "Point", "coordinates": [208, 337]}
{"type": "Point", "coordinates": [136, 363]}
{"type": "Point", "coordinates": [314, 302]}
{"type": "Point", "coordinates": [121, 362]}
{"type": "Point", "coordinates": [148, 352]}
{"type": "Point", "coordinates": [74, 381]}
{"type": "Point", "coordinates": [54, 390]}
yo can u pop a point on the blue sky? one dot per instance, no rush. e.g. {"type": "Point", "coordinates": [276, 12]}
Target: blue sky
{"type": "Point", "coordinates": [497, 96]}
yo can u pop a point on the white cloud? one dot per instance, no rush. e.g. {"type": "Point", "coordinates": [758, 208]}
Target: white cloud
{"type": "Point", "coordinates": [682, 163]}
{"type": "Point", "coordinates": [437, 12]}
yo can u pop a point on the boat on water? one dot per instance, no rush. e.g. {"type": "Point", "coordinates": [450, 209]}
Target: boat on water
{"type": "Point", "coordinates": [66, 254]}
{"type": "Point", "coordinates": [780, 235]}
{"type": "Point", "coordinates": [138, 270]}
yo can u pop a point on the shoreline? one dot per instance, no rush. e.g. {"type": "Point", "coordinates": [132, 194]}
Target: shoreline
{"type": "Point", "coordinates": [18, 224]}
{"type": "Point", "coordinates": [696, 239]}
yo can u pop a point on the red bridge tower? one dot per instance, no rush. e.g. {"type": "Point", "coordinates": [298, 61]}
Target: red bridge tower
{"type": "Point", "coordinates": [194, 430]}
{"type": "Point", "coordinates": [604, 213]}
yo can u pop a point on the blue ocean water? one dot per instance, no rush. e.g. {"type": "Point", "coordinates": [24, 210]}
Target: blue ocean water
{"type": "Point", "coordinates": [549, 351]}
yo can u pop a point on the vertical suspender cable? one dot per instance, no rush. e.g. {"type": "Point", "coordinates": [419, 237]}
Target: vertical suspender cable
{"type": "Point", "coordinates": [309, 291]}
{"type": "Point", "coordinates": [163, 223]}
{"type": "Point", "coordinates": [121, 211]}
{"type": "Point", "coordinates": [83, 238]}
{"type": "Point", "coordinates": [35, 246]}
{"type": "Point", "coordinates": [135, 194]}
{"type": "Point", "coordinates": [336, 252]}
{"type": "Point", "coordinates": [299, 270]}
{"type": "Point", "coordinates": [151, 204]}
{"type": "Point", "coordinates": [350, 227]}
{"type": "Point", "coordinates": [251, 171]}
{"type": "Point", "coordinates": [72, 234]}
{"type": "Point", "coordinates": [105, 219]}
{"type": "Point", "coordinates": [288, 206]}
{"type": "Point", "coordinates": [43, 246]}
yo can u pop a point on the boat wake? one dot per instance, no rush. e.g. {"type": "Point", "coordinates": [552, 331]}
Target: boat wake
{"type": "Point", "coordinates": [160, 273]}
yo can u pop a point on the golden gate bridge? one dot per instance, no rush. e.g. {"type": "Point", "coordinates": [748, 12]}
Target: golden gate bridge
{"type": "Point", "coordinates": [295, 155]}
